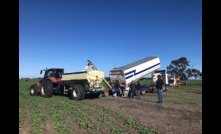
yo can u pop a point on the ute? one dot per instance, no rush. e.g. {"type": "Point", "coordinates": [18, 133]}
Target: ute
{"type": "Point", "coordinates": [49, 84]}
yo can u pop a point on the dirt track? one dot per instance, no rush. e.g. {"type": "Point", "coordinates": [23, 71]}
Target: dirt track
{"type": "Point", "coordinates": [166, 118]}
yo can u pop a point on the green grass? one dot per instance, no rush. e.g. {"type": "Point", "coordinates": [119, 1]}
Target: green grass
{"type": "Point", "coordinates": [189, 94]}
{"type": "Point", "coordinates": [60, 114]}
{"type": "Point", "coordinates": [64, 113]}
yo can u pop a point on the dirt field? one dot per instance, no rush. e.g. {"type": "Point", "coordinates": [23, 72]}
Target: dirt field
{"type": "Point", "coordinates": [166, 118]}
{"type": "Point", "coordinates": [180, 113]}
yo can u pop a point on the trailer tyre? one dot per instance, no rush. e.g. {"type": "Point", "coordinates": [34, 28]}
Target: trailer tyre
{"type": "Point", "coordinates": [96, 95]}
{"type": "Point", "coordinates": [33, 90]}
{"type": "Point", "coordinates": [143, 91]}
{"type": "Point", "coordinates": [47, 89]}
{"type": "Point", "coordinates": [106, 93]}
{"type": "Point", "coordinates": [77, 92]}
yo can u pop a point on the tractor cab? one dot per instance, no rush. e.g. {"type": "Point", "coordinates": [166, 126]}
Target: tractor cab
{"type": "Point", "coordinates": [53, 72]}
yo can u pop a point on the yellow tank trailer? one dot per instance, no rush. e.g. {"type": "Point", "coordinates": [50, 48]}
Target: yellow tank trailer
{"type": "Point", "coordinates": [78, 84]}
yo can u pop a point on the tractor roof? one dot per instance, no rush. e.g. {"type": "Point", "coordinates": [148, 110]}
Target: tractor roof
{"type": "Point", "coordinates": [55, 68]}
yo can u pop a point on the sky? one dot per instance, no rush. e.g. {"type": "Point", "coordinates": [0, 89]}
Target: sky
{"type": "Point", "coordinates": [110, 33]}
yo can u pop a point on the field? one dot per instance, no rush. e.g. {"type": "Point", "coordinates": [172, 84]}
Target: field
{"type": "Point", "coordinates": [181, 112]}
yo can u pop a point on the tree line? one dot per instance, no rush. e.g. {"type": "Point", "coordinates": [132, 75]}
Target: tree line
{"type": "Point", "coordinates": [181, 68]}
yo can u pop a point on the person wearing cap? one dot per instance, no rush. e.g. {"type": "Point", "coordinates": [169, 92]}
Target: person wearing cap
{"type": "Point", "coordinates": [159, 86]}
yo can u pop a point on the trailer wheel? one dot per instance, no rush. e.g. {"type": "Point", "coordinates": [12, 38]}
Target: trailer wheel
{"type": "Point", "coordinates": [33, 90]}
{"type": "Point", "coordinates": [143, 91]}
{"type": "Point", "coordinates": [47, 89]}
{"type": "Point", "coordinates": [164, 88]}
{"type": "Point", "coordinates": [77, 92]}
{"type": "Point", "coordinates": [168, 88]}
{"type": "Point", "coordinates": [154, 89]}
{"type": "Point", "coordinates": [106, 93]}
{"type": "Point", "coordinates": [96, 95]}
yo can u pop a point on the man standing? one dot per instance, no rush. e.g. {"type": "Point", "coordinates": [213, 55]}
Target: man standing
{"type": "Point", "coordinates": [132, 89]}
{"type": "Point", "coordinates": [159, 86]}
{"type": "Point", "coordinates": [138, 89]}
{"type": "Point", "coordinates": [118, 88]}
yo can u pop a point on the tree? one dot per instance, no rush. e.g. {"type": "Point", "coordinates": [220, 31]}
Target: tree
{"type": "Point", "coordinates": [196, 73]}
{"type": "Point", "coordinates": [201, 74]}
{"type": "Point", "coordinates": [179, 68]}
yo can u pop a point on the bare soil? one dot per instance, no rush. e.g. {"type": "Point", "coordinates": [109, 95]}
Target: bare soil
{"type": "Point", "coordinates": [166, 118]}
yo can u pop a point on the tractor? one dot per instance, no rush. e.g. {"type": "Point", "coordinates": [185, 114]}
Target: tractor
{"type": "Point", "coordinates": [73, 84]}
{"type": "Point", "coordinates": [49, 84]}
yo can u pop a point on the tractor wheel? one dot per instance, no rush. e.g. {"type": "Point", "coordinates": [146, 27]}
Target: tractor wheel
{"type": "Point", "coordinates": [77, 92]}
{"type": "Point", "coordinates": [33, 90]}
{"type": "Point", "coordinates": [47, 89]}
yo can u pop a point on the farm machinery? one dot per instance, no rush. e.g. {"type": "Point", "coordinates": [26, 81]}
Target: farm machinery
{"type": "Point", "coordinates": [137, 70]}
{"type": "Point", "coordinates": [164, 76]}
{"type": "Point", "coordinates": [75, 84]}
{"type": "Point", "coordinates": [50, 83]}
{"type": "Point", "coordinates": [168, 79]}
{"type": "Point", "coordinates": [174, 81]}
{"type": "Point", "coordinates": [134, 71]}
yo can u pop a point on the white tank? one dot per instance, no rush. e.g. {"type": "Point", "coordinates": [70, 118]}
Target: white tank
{"type": "Point", "coordinates": [135, 70]}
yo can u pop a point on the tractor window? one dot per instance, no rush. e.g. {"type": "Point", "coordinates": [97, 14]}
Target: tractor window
{"type": "Point", "coordinates": [58, 73]}
{"type": "Point", "coordinates": [55, 73]}
{"type": "Point", "coordinates": [50, 73]}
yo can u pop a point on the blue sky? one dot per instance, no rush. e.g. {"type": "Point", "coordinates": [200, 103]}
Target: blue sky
{"type": "Point", "coordinates": [110, 33]}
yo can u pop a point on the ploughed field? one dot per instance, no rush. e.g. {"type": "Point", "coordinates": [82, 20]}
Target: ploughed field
{"type": "Point", "coordinates": [181, 112]}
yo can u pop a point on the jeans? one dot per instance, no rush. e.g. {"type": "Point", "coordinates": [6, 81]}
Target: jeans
{"type": "Point", "coordinates": [119, 92]}
{"type": "Point", "coordinates": [138, 93]}
{"type": "Point", "coordinates": [132, 94]}
{"type": "Point", "coordinates": [160, 96]}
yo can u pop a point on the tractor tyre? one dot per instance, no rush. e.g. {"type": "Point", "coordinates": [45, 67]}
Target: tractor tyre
{"type": "Point", "coordinates": [33, 90]}
{"type": "Point", "coordinates": [47, 89]}
{"type": "Point", "coordinates": [77, 92]}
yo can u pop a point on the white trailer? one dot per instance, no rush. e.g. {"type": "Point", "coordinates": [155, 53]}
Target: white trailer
{"type": "Point", "coordinates": [134, 71]}
{"type": "Point", "coordinates": [163, 74]}
{"type": "Point", "coordinates": [164, 77]}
